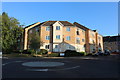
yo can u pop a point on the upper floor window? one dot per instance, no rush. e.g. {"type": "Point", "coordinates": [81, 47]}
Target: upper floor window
{"type": "Point", "coordinates": [78, 40]}
{"type": "Point", "coordinates": [68, 29]}
{"type": "Point", "coordinates": [57, 36]}
{"type": "Point", "coordinates": [83, 40]}
{"type": "Point", "coordinates": [48, 28]}
{"type": "Point", "coordinates": [77, 32]}
{"type": "Point", "coordinates": [92, 34]}
{"type": "Point", "coordinates": [47, 37]}
{"type": "Point", "coordinates": [68, 38]}
{"type": "Point", "coordinates": [37, 29]}
{"type": "Point", "coordinates": [57, 27]}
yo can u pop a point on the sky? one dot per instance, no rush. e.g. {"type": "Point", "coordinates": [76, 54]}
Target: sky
{"type": "Point", "coordinates": [102, 16]}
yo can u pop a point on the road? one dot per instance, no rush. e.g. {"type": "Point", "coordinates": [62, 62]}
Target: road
{"type": "Point", "coordinates": [86, 67]}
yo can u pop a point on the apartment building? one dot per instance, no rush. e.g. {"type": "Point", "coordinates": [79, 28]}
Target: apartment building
{"type": "Point", "coordinates": [59, 36]}
{"type": "Point", "coordinates": [112, 43]}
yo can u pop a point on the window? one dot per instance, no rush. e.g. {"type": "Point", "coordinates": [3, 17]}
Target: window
{"type": "Point", "coordinates": [68, 38]}
{"type": "Point", "coordinates": [46, 46]}
{"type": "Point", "coordinates": [37, 29]}
{"type": "Point", "coordinates": [57, 27]}
{"type": "Point", "coordinates": [48, 28]}
{"type": "Point", "coordinates": [78, 40]}
{"type": "Point", "coordinates": [68, 47]}
{"type": "Point", "coordinates": [92, 35]}
{"type": "Point", "coordinates": [57, 36]}
{"type": "Point", "coordinates": [56, 46]}
{"type": "Point", "coordinates": [78, 33]}
{"type": "Point", "coordinates": [83, 40]}
{"type": "Point", "coordinates": [68, 29]}
{"type": "Point", "coordinates": [47, 37]}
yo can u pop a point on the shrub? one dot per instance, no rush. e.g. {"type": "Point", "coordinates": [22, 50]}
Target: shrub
{"type": "Point", "coordinates": [82, 53]}
{"type": "Point", "coordinates": [39, 52]}
{"type": "Point", "coordinates": [43, 51]}
{"type": "Point", "coordinates": [71, 53]}
{"type": "Point", "coordinates": [26, 51]}
{"type": "Point", "coordinates": [15, 51]}
{"type": "Point", "coordinates": [21, 51]}
{"type": "Point", "coordinates": [53, 55]}
{"type": "Point", "coordinates": [29, 51]}
{"type": "Point", "coordinates": [89, 54]}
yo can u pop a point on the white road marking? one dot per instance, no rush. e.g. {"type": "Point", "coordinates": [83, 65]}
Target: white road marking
{"type": "Point", "coordinates": [10, 62]}
{"type": "Point", "coordinates": [38, 70]}
{"type": "Point", "coordinates": [45, 70]}
{"type": "Point", "coordinates": [69, 68]}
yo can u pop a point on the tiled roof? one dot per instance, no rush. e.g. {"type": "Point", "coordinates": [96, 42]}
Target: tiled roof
{"type": "Point", "coordinates": [49, 23]}
{"type": "Point", "coordinates": [66, 23]}
{"type": "Point", "coordinates": [111, 38]}
{"type": "Point", "coordinates": [80, 26]}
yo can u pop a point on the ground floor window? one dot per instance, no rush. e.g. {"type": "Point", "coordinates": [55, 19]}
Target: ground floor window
{"type": "Point", "coordinates": [56, 46]}
{"type": "Point", "coordinates": [46, 46]}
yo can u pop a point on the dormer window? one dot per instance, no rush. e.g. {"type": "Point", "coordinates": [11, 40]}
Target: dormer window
{"type": "Point", "coordinates": [57, 27]}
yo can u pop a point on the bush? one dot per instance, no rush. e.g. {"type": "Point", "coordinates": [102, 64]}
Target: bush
{"type": "Point", "coordinates": [29, 51]}
{"type": "Point", "coordinates": [82, 53]}
{"type": "Point", "coordinates": [74, 53]}
{"type": "Point", "coordinates": [71, 53]}
{"type": "Point", "coordinates": [39, 52]}
{"type": "Point", "coordinates": [53, 55]}
{"type": "Point", "coordinates": [15, 51]}
{"type": "Point", "coordinates": [43, 51]}
{"type": "Point", "coordinates": [89, 54]}
{"type": "Point", "coordinates": [21, 51]}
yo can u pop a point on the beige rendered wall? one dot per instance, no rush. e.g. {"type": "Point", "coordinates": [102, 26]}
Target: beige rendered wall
{"type": "Point", "coordinates": [57, 32]}
{"type": "Point", "coordinates": [100, 40]}
{"type": "Point", "coordinates": [26, 35]}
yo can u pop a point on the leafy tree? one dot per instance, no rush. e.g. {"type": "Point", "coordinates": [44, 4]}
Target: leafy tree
{"type": "Point", "coordinates": [0, 33]}
{"type": "Point", "coordinates": [34, 41]}
{"type": "Point", "coordinates": [11, 32]}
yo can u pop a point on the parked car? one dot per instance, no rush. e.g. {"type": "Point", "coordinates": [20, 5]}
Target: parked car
{"type": "Point", "coordinates": [107, 52]}
{"type": "Point", "coordinates": [98, 53]}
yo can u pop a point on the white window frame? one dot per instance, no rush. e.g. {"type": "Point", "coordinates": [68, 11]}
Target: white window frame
{"type": "Point", "coordinates": [47, 37]}
{"type": "Point", "coordinates": [56, 45]}
{"type": "Point", "coordinates": [47, 46]}
{"type": "Point", "coordinates": [77, 38]}
{"type": "Point", "coordinates": [57, 27]}
{"type": "Point", "coordinates": [48, 28]}
{"type": "Point", "coordinates": [83, 40]}
{"type": "Point", "coordinates": [67, 37]}
{"type": "Point", "coordinates": [57, 36]}
{"type": "Point", "coordinates": [67, 28]}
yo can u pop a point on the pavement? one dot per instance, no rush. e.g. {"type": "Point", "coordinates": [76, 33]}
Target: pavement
{"type": "Point", "coordinates": [74, 67]}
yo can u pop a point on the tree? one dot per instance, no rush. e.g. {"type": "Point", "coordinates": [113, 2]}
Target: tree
{"type": "Point", "coordinates": [0, 33]}
{"type": "Point", "coordinates": [34, 40]}
{"type": "Point", "coordinates": [10, 33]}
